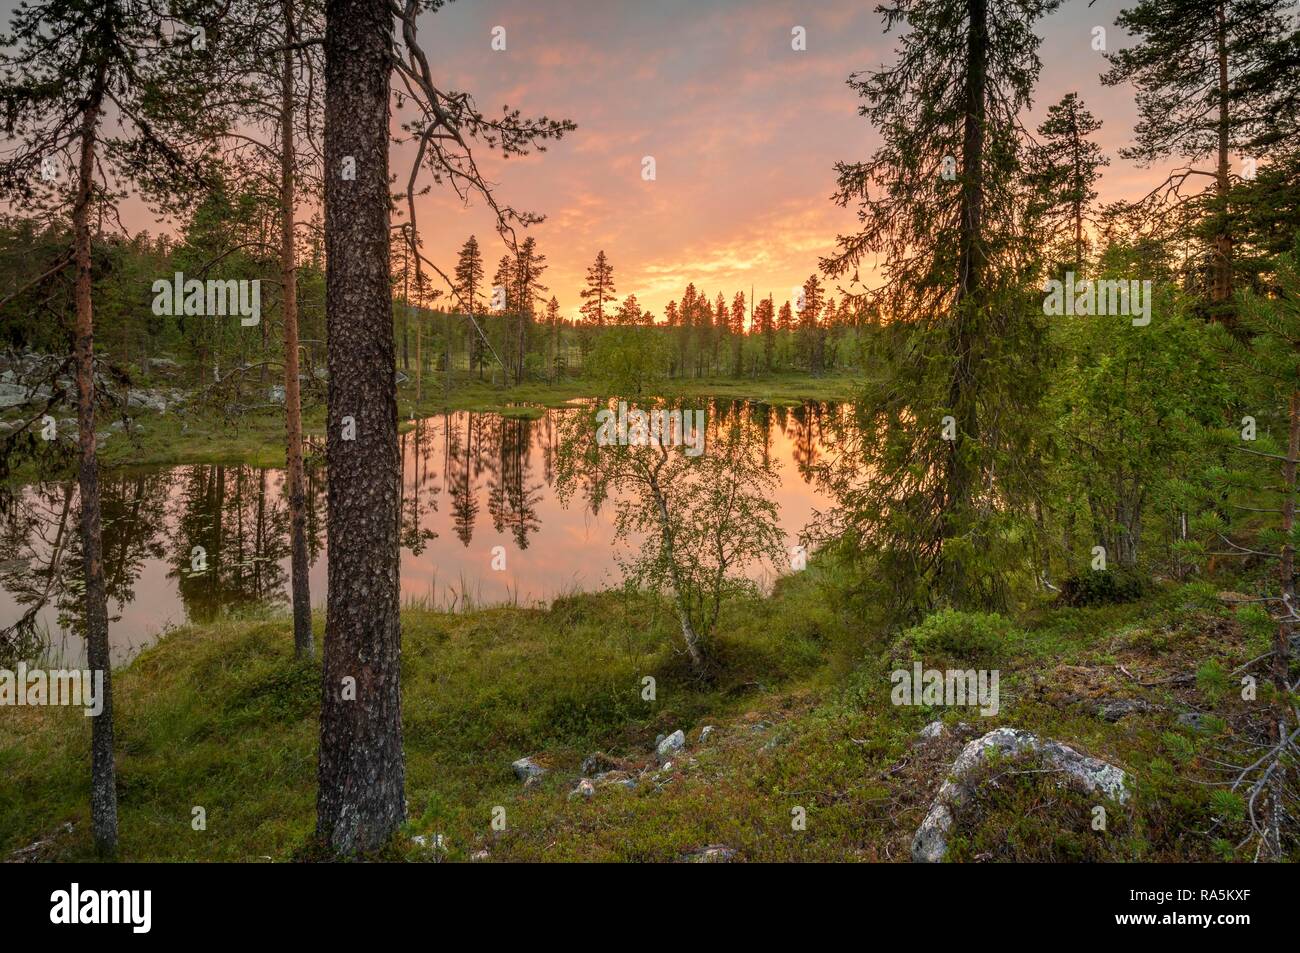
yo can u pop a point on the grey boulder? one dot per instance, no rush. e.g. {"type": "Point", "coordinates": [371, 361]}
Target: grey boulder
{"type": "Point", "coordinates": [526, 769]}
{"type": "Point", "coordinates": [671, 744]}
{"type": "Point", "coordinates": [931, 840]}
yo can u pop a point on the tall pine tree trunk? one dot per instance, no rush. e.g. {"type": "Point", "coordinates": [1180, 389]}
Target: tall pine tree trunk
{"type": "Point", "coordinates": [961, 477]}
{"type": "Point", "coordinates": [361, 801]}
{"type": "Point", "coordinates": [297, 492]}
{"type": "Point", "coordinates": [103, 788]}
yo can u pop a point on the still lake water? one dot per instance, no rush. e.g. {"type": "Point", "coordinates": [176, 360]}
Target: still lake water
{"type": "Point", "coordinates": [470, 482]}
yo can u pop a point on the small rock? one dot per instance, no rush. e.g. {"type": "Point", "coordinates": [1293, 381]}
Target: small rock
{"type": "Point", "coordinates": [1193, 720]}
{"type": "Point", "coordinates": [479, 855]}
{"type": "Point", "coordinates": [149, 400]}
{"type": "Point", "coordinates": [585, 789]}
{"type": "Point", "coordinates": [526, 768]}
{"type": "Point", "coordinates": [670, 744]}
{"type": "Point", "coordinates": [712, 854]}
{"type": "Point", "coordinates": [429, 842]}
{"type": "Point", "coordinates": [705, 732]}
{"type": "Point", "coordinates": [933, 730]}
{"type": "Point", "coordinates": [1117, 708]}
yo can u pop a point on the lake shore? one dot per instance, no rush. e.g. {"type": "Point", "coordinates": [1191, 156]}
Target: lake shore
{"type": "Point", "coordinates": [256, 437]}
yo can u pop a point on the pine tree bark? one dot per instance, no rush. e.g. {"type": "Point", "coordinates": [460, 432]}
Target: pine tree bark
{"type": "Point", "coordinates": [960, 477]}
{"type": "Point", "coordinates": [303, 643]}
{"type": "Point", "coordinates": [361, 799]}
{"type": "Point", "coordinates": [103, 786]}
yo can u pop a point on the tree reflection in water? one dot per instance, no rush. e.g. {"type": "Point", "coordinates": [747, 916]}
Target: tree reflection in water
{"type": "Point", "coordinates": [498, 473]}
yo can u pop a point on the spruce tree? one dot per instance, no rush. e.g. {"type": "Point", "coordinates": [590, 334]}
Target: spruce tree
{"type": "Point", "coordinates": [1065, 166]}
{"type": "Point", "coordinates": [529, 266]}
{"type": "Point", "coordinates": [600, 290]}
{"type": "Point", "coordinates": [469, 285]}
{"type": "Point", "coordinates": [942, 202]}
{"type": "Point", "coordinates": [736, 328]}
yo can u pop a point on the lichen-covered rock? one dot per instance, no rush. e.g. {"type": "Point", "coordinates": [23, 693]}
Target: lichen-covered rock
{"type": "Point", "coordinates": [712, 854]}
{"type": "Point", "coordinates": [584, 789]}
{"type": "Point", "coordinates": [671, 744]}
{"type": "Point", "coordinates": [933, 730]}
{"type": "Point", "coordinates": [147, 400]}
{"type": "Point", "coordinates": [1118, 708]}
{"type": "Point", "coordinates": [16, 395]}
{"type": "Point", "coordinates": [931, 840]}
{"type": "Point", "coordinates": [526, 769]}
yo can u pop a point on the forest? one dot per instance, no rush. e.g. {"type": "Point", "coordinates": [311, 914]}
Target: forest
{"type": "Point", "coordinates": [350, 509]}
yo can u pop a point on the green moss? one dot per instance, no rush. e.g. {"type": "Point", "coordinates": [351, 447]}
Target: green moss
{"type": "Point", "coordinates": [223, 717]}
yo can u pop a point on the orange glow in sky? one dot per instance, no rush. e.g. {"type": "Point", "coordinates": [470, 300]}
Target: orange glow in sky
{"type": "Point", "coordinates": [743, 129]}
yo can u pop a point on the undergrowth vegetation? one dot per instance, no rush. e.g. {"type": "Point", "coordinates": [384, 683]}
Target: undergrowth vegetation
{"type": "Point", "coordinates": [223, 718]}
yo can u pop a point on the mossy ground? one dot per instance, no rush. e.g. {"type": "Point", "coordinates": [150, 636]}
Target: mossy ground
{"type": "Point", "coordinates": [222, 717]}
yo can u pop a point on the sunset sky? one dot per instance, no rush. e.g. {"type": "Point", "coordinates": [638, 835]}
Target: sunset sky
{"type": "Point", "coordinates": [743, 129]}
